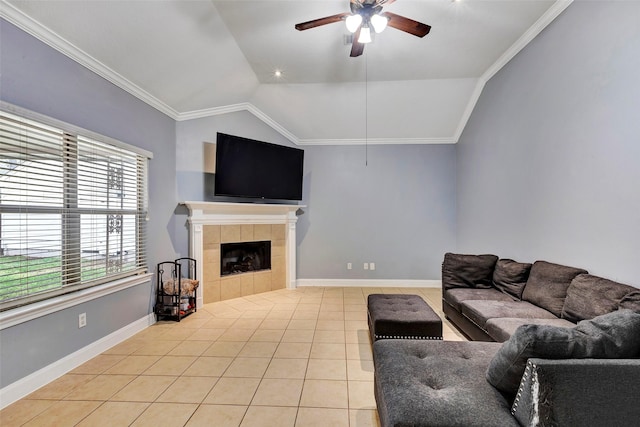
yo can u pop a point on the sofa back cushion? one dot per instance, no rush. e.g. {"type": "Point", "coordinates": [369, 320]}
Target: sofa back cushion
{"type": "Point", "coordinates": [610, 336]}
{"type": "Point", "coordinates": [467, 271]}
{"type": "Point", "coordinates": [590, 296]}
{"type": "Point", "coordinates": [631, 301]}
{"type": "Point", "coordinates": [510, 276]}
{"type": "Point", "coordinates": [547, 285]}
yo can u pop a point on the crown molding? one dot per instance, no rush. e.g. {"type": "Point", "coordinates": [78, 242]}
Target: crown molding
{"type": "Point", "coordinates": [378, 141]}
{"type": "Point", "coordinates": [26, 23]}
{"type": "Point", "coordinates": [471, 105]}
{"type": "Point", "coordinates": [552, 13]}
{"type": "Point", "coordinates": [243, 106]}
{"type": "Point", "coordinates": [45, 35]}
{"type": "Point", "coordinates": [275, 125]}
{"type": "Point", "coordinates": [247, 106]}
{"type": "Point", "coordinates": [214, 111]}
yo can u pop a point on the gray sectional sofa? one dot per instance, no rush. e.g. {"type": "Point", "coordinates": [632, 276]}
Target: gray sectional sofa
{"type": "Point", "coordinates": [489, 298]}
{"type": "Point", "coordinates": [568, 351]}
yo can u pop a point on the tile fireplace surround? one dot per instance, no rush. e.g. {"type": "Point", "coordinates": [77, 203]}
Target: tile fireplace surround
{"type": "Point", "coordinates": [213, 223]}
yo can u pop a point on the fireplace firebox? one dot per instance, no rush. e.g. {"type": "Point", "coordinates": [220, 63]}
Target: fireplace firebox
{"type": "Point", "coordinates": [244, 257]}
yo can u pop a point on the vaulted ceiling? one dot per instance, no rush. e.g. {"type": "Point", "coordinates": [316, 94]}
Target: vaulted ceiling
{"type": "Point", "coordinates": [192, 59]}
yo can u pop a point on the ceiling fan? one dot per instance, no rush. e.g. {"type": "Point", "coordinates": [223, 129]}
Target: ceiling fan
{"type": "Point", "coordinates": [364, 15]}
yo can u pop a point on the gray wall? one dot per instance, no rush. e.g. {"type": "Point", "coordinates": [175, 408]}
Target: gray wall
{"type": "Point", "coordinates": [398, 211]}
{"type": "Point", "coordinates": [549, 164]}
{"type": "Point", "coordinates": [34, 76]}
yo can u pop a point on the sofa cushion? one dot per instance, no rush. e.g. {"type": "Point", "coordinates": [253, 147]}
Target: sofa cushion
{"type": "Point", "coordinates": [437, 383]}
{"type": "Point", "coordinates": [501, 328]}
{"type": "Point", "coordinates": [510, 276]}
{"type": "Point", "coordinates": [547, 285]}
{"type": "Point", "coordinates": [610, 336]}
{"type": "Point", "coordinates": [590, 296]}
{"type": "Point", "coordinates": [631, 301]}
{"type": "Point", "coordinates": [481, 311]}
{"type": "Point", "coordinates": [467, 271]}
{"type": "Point", "coordinates": [457, 295]}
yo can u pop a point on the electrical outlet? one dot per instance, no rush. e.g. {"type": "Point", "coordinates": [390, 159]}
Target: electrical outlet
{"type": "Point", "coordinates": [82, 320]}
{"type": "Point", "coordinates": [349, 266]}
{"type": "Point", "coordinates": [372, 266]}
{"type": "Point", "coordinates": [366, 265]}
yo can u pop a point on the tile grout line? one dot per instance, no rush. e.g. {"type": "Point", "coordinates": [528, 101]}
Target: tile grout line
{"type": "Point", "coordinates": [252, 314]}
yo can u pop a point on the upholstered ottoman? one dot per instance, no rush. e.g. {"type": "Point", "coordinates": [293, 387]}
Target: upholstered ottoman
{"type": "Point", "coordinates": [400, 316]}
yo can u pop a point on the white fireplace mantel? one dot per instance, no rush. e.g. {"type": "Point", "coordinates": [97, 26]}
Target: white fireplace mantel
{"type": "Point", "coordinates": [221, 213]}
{"type": "Point", "coordinates": [239, 213]}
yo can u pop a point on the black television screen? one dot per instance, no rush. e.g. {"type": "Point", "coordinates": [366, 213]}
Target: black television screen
{"type": "Point", "coordinates": [256, 169]}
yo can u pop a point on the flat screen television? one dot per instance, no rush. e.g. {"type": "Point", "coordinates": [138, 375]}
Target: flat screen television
{"type": "Point", "coordinates": [256, 169]}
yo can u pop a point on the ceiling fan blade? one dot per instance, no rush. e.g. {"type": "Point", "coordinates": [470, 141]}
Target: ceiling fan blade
{"type": "Point", "coordinates": [407, 25]}
{"type": "Point", "coordinates": [322, 21]}
{"type": "Point", "coordinates": [356, 48]}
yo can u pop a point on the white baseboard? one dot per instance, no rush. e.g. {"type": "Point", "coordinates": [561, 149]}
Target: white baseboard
{"type": "Point", "coordinates": [367, 283]}
{"type": "Point", "coordinates": [19, 389]}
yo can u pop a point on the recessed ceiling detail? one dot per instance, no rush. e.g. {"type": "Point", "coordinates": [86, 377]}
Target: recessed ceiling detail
{"type": "Point", "coordinates": [417, 90]}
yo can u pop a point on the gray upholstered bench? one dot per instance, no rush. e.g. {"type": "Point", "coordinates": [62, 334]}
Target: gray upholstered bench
{"type": "Point", "coordinates": [400, 316]}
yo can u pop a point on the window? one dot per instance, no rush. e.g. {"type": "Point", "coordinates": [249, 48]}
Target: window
{"type": "Point", "coordinates": [73, 207]}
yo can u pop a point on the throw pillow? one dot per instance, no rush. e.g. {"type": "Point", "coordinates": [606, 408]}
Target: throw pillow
{"type": "Point", "coordinates": [631, 301]}
{"type": "Point", "coordinates": [547, 285]}
{"type": "Point", "coordinates": [510, 276]}
{"type": "Point", "coordinates": [613, 335]}
{"type": "Point", "coordinates": [467, 271]}
{"type": "Point", "coordinates": [590, 296]}
{"type": "Point", "coordinates": [609, 336]}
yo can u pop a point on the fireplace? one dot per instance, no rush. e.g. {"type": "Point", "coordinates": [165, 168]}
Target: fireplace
{"type": "Point", "coordinates": [244, 257]}
{"type": "Point", "coordinates": [214, 224]}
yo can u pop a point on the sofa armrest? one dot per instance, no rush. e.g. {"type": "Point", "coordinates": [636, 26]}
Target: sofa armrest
{"type": "Point", "coordinates": [579, 392]}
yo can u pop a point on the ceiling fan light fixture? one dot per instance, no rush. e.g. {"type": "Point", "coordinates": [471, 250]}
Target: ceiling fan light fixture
{"type": "Point", "coordinates": [365, 35]}
{"type": "Point", "coordinates": [353, 22]}
{"type": "Point", "coordinates": [379, 22]}
{"type": "Point", "coordinates": [363, 15]}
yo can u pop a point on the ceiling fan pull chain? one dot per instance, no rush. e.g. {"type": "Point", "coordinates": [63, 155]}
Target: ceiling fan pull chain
{"type": "Point", "coordinates": [366, 110]}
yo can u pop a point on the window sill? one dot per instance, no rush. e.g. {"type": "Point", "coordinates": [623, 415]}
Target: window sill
{"type": "Point", "coordinates": [39, 309]}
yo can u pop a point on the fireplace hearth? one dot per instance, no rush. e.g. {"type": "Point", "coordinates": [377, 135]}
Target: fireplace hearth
{"type": "Point", "coordinates": [244, 257]}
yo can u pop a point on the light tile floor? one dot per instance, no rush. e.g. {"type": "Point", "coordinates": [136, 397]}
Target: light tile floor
{"type": "Point", "coordinates": [279, 359]}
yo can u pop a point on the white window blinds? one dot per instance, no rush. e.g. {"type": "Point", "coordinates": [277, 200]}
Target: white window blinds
{"type": "Point", "coordinates": [72, 210]}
